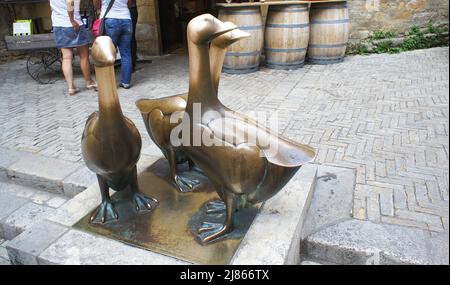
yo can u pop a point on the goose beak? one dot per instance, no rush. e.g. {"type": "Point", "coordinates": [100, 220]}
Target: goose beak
{"type": "Point", "coordinates": [230, 38]}
{"type": "Point", "coordinates": [103, 51]}
{"type": "Point", "coordinates": [237, 35]}
{"type": "Point", "coordinates": [222, 28]}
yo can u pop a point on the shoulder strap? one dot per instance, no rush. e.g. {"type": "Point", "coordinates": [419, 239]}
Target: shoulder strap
{"type": "Point", "coordinates": [111, 3]}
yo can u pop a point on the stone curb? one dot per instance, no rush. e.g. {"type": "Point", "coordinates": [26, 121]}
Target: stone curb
{"type": "Point", "coordinates": [274, 237]}
{"type": "Point", "coordinates": [357, 242]}
{"type": "Point", "coordinates": [25, 248]}
{"type": "Point", "coordinates": [44, 173]}
{"type": "Point", "coordinates": [332, 235]}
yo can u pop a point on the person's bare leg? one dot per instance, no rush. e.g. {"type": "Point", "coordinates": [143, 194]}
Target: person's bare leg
{"type": "Point", "coordinates": [67, 58]}
{"type": "Point", "coordinates": [83, 52]}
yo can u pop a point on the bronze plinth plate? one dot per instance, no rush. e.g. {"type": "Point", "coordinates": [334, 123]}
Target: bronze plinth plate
{"type": "Point", "coordinates": [170, 228]}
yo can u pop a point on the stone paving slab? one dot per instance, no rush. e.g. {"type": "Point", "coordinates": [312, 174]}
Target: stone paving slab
{"type": "Point", "coordinates": [78, 207]}
{"type": "Point", "coordinates": [79, 248]}
{"type": "Point", "coordinates": [9, 204]}
{"type": "Point", "coordinates": [332, 201]}
{"type": "Point", "coordinates": [22, 207]}
{"type": "Point", "coordinates": [25, 248]}
{"type": "Point", "coordinates": [78, 181]}
{"type": "Point", "coordinates": [365, 242]}
{"type": "Point", "coordinates": [36, 196]}
{"type": "Point", "coordinates": [7, 158]}
{"type": "Point", "coordinates": [3, 252]}
{"type": "Point", "coordinates": [41, 172]}
{"type": "Point", "coordinates": [23, 218]}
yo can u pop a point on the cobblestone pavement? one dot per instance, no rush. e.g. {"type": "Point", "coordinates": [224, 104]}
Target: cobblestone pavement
{"type": "Point", "coordinates": [387, 116]}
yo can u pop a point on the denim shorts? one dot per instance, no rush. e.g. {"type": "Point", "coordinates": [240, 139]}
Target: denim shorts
{"type": "Point", "coordinates": [68, 38]}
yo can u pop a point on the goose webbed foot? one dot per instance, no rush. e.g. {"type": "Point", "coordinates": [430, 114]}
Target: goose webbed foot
{"type": "Point", "coordinates": [194, 167]}
{"type": "Point", "coordinates": [144, 203]}
{"type": "Point", "coordinates": [185, 184]}
{"type": "Point", "coordinates": [211, 232]}
{"type": "Point", "coordinates": [216, 207]}
{"type": "Point", "coordinates": [104, 213]}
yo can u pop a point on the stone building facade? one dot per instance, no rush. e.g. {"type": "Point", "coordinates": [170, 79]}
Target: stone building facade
{"type": "Point", "coordinates": [397, 16]}
{"type": "Point", "coordinates": [366, 16]}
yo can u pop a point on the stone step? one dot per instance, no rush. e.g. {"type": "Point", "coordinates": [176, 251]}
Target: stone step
{"type": "Point", "coordinates": [44, 173]}
{"type": "Point", "coordinates": [356, 242]}
{"type": "Point", "coordinates": [332, 201]}
{"type": "Point", "coordinates": [4, 258]}
{"type": "Point", "coordinates": [332, 236]}
{"type": "Point", "coordinates": [308, 260]}
{"type": "Point", "coordinates": [21, 207]}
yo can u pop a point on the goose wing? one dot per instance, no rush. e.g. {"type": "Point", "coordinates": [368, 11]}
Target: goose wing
{"type": "Point", "coordinates": [276, 148]}
{"type": "Point", "coordinates": [167, 105]}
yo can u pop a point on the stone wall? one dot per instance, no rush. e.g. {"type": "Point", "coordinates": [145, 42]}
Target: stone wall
{"type": "Point", "coordinates": [397, 16]}
{"type": "Point", "coordinates": [147, 30]}
{"type": "Point", "coordinates": [368, 16]}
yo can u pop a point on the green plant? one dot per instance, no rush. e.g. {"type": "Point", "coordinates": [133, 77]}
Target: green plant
{"type": "Point", "coordinates": [416, 38]}
{"type": "Point", "coordinates": [381, 35]}
{"type": "Point", "coordinates": [432, 29]}
{"type": "Point", "coordinates": [383, 47]}
{"type": "Point", "coordinates": [393, 50]}
{"type": "Point", "coordinates": [361, 49]}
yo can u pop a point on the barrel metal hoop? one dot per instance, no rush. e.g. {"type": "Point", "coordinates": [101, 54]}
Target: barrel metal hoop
{"type": "Point", "coordinates": [327, 22]}
{"type": "Point", "coordinates": [285, 49]}
{"type": "Point", "coordinates": [241, 69]}
{"type": "Point", "coordinates": [285, 63]}
{"type": "Point", "coordinates": [324, 60]}
{"type": "Point", "coordinates": [327, 45]}
{"type": "Point", "coordinates": [252, 53]}
{"type": "Point", "coordinates": [313, 7]}
{"type": "Point", "coordinates": [289, 10]}
{"type": "Point", "coordinates": [227, 12]}
{"type": "Point", "coordinates": [251, 28]}
{"type": "Point", "coordinates": [288, 26]}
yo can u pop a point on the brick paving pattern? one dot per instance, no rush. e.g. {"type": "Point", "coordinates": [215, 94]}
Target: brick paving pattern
{"type": "Point", "coordinates": [387, 116]}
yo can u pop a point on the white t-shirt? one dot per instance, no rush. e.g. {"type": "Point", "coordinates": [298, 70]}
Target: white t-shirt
{"type": "Point", "coordinates": [60, 17]}
{"type": "Point", "coordinates": [118, 11]}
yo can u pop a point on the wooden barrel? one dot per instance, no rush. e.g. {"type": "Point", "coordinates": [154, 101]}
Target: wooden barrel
{"type": "Point", "coordinates": [244, 56]}
{"type": "Point", "coordinates": [287, 36]}
{"type": "Point", "coordinates": [329, 32]}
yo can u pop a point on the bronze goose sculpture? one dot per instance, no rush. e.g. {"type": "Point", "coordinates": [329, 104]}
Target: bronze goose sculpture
{"type": "Point", "coordinates": [111, 143]}
{"type": "Point", "coordinates": [157, 112]}
{"type": "Point", "coordinates": [235, 152]}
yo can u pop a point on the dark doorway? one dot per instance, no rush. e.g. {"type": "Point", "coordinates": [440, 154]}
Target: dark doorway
{"type": "Point", "coordinates": [174, 15]}
{"type": "Point", "coordinates": [167, 16]}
